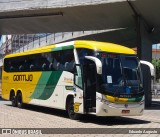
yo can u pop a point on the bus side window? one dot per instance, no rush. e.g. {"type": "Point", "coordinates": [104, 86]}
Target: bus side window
{"type": "Point", "coordinates": [31, 67]}
{"type": "Point", "coordinates": [44, 66]}
{"type": "Point", "coordinates": [55, 64]}
{"type": "Point", "coordinates": [21, 68]}
{"type": "Point", "coordinates": [8, 67]}
{"type": "Point", "coordinates": [56, 61]}
{"type": "Point", "coordinates": [11, 68]}
{"type": "Point", "coordinates": [51, 66]}
{"type": "Point", "coordinates": [68, 59]}
{"type": "Point", "coordinates": [66, 65]}
{"type": "Point", "coordinates": [20, 64]}
{"type": "Point", "coordinates": [33, 61]}
{"type": "Point", "coordinates": [26, 65]}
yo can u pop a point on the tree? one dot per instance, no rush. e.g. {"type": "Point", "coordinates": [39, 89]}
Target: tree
{"type": "Point", "coordinates": [156, 63]}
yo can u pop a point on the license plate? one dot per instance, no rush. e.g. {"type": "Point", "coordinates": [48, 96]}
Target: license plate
{"type": "Point", "coordinates": [125, 111]}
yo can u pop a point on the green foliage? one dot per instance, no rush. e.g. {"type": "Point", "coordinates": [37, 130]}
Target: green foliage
{"type": "Point", "coordinates": [156, 63]}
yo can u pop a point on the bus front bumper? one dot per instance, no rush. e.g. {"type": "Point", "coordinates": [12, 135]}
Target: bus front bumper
{"type": "Point", "coordinates": [113, 109]}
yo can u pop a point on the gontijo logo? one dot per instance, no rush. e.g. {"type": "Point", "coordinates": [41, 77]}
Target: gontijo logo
{"type": "Point", "coordinates": [23, 77]}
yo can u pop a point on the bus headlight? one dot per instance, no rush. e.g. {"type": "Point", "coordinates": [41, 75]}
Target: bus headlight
{"type": "Point", "coordinates": [104, 100]}
{"type": "Point", "coordinates": [99, 99]}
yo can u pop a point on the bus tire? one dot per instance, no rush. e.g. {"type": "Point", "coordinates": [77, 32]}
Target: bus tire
{"type": "Point", "coordinates": [13, 99]}
{"type": "Point", "coordinates": [19, 100]}
{"type": "Point", "coordinates": [70, 109]}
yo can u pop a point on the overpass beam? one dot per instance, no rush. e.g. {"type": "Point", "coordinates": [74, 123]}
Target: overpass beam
{"type": "Point", "coordinates": [144, 51]}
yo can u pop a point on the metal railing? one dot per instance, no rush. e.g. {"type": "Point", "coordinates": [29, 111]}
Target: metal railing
{"type": "Point", "coordinates": [18, 41]}
{"type": "Point", "coordinates": [21, 43]}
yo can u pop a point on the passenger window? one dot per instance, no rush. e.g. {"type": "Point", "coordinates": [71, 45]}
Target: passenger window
{"type": "Point", "coordinates": [57, 61]}
{"type": "Point", "coordinates": [31, 67]}
{"type": "Point", "coordinates": [50, 61]}
{"type": "Point", "coordinates": [69, 61]}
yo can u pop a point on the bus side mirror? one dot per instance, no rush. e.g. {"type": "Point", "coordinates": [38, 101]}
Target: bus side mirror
{"type": "Point", "coordinates": [97, 62]}
{"type": "Point", "coordinates": [150, 65]}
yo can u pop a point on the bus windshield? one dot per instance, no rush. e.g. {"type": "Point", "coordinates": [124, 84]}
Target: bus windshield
{"type": "Point", "coordinates": [131, 70]}
{"type": "Point", "coordinates": [111, 69]}
{"type": "Point", "coordinates": [119, 72]}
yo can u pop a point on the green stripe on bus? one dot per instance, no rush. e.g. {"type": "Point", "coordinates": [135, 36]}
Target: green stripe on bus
{"type": "Point", "coordinates": [41, 85]}
{"type": "Point", "coordinates": [131, 99]}
{"type": "Point", "coordinates": [137, 99]}
{"type": "Point", "coordinates": [67, 47]}
{"type": "Point", "coordinates": [51, 85]}
{"type": "Point", "coordinates": [63, 48]}
{"type": "Point", "coordinates": [57, 49]}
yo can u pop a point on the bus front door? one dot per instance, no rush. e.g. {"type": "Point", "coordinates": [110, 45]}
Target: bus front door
{"type": "Point", "coordinates": [90, 86]}
{"type": "Point", "coordinates": [85, 85]}
{"type": "Point", "coordinates": [78, 90]}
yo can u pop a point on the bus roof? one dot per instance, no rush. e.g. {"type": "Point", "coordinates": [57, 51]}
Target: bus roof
{"type": "Point", "coordinates": [94, 45]}
{"type": "Point", "coordinates": [104, 46]}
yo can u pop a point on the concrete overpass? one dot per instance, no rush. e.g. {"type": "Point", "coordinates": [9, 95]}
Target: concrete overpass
{"type": "Point", "coordinates": [32, 16]}
{"type": "Point", "coordinates": [139, 17]}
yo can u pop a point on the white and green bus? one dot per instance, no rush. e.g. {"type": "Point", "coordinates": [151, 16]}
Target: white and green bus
{"type": "Point", "coordinates": [82, 77]}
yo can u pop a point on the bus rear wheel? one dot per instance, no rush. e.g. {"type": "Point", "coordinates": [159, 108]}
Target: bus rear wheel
{"type": "Point", "coordinates": [13, 99]}
{"type": "Point", "coordinates": [19, 100]}
{"type": "Point", "coordinates": [70, 110]}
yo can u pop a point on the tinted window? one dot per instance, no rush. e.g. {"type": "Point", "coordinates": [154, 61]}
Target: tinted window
{"type": "Point", "coordinates": [84, 52]}
{"type": "Point", "coordinates": [111, 68]}
{"type": "Point", "coordinates": [15, 64]}
{"type": "Point", "coordinates": [130, 68]}
{"type": "Point", "coordinates": [68, 60]}
{"type": "Point", "coordinates": [50, 61]}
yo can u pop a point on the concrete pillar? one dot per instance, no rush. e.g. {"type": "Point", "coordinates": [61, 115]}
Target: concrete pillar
{"type": "Point", "coordinates": [1, 62]}
{"type": "Point", "coordinates": [144, 51]}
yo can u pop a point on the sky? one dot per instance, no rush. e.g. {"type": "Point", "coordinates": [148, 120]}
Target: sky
{"type": "Point", "coordinates": [3, 39]}
{"type": "Point", "coordinates": [156, 46]}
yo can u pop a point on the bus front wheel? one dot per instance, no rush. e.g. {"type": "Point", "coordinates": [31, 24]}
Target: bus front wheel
{"type": "Point", "coordinates": [19, 100]}
{"type": "Point", "coordinates": [70, 110]}
{"type": "Point", "coordinates": [13, 99]}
